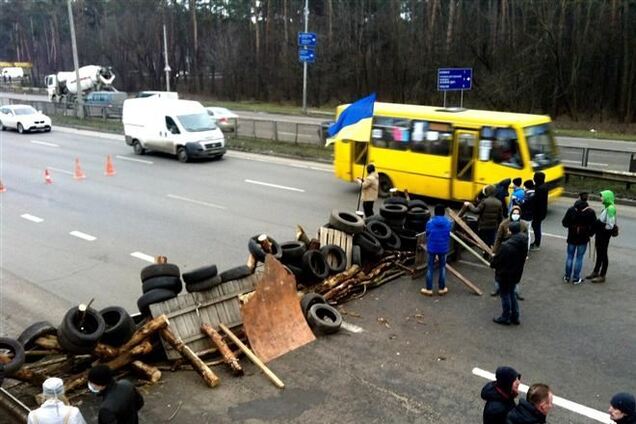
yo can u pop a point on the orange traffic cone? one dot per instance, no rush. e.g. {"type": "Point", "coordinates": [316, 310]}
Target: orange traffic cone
{"type": "Point", "coordinates": [47, 176]}
{"type": "Point", "coordinates": [110, 169]}
{"type": "Point", "coordinates": [2, 187]}
{"type": "Point", "coordinates": [78, 174]}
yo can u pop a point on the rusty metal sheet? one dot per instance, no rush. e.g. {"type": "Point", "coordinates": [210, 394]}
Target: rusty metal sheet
{"type": "Point", "coordinates": [272, 318]}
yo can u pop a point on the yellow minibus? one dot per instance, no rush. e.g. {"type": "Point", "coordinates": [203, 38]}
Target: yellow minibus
{"type": "Point", "coordinates": [451, 153]}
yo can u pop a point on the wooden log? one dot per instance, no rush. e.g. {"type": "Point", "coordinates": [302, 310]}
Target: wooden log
{"type": "Point", "coordinates": [149, 328]}
{"type": "Point", "coordinates": [36, 378]}
{"type": "Point", "coordinates": [105, 351]}
{"type": "Point", "coordinates": [225, 351]}
{"type": "Point", "coordinates": [464, 280]}
{"type": "Point", "coordinates": [301, 235]}
{"type": "Point", "coordinates": [263, 240]}
{"type": "Point", "coordinates": [470, 232]}
{"type": "Point", "coordinates": [161, 260]}
{"type": "Point", "coordinates": [338, 278]}
{"type": "Point", "coordinates": [277, 381]}
{"type": "Point", "coordinates": [149, 372]}
{"type": "Point", "coordinates": [206, 373]}
{"type": "Point", "coordinates": [251, 262]}
{"type": "Point", "coordinates": [48, 342]}
{"type": "Point", "coordinates": [467, 247]}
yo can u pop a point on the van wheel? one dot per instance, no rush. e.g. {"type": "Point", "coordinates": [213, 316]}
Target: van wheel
{"type": "Point", "coordinates": [20, 128]}
{"type": "Point", "coordinates": [138, 148]}
{"type": "Point", "coordinates": [182, 155]}
{"type": "Point", "coordinates": [385, 185]}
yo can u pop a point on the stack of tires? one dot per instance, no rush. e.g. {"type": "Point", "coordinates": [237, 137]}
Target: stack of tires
{"type": "Point", "coordinates": [160, 282]}
{"type": "Point", "coordinates": [201, 279]}
{"type": "Point", "coordinates": [321, 317]}
{"type": "Point", "coordinates": [79, 331]}
{"type": "Point", "coordinates": [404, 218]}
{"type": "Point", "coordinates": [311, 266]}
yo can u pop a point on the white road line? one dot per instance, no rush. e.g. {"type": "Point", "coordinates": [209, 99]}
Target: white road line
{"type": "Point", "coordinates": [352, 328]}
{"type": "Point", "coordinates": [44, 143]}
{"type": "Point", "coordinates": [555, 236]}
{"type": "Point", "coordinates": [275, 186]}
{"type": "Point", "coordinates": [197, 202]}
{"type": "Point", "coordinates": [143, 257]}
{"type": "Point", "coordinates": [31, 218]}
{"type": "Point", "coordinates": [135, 160]}
{"type": "Point", "coordinates": [83, 236]}
{"type": "Point", "coordinates": [63, 171]}
{"type": "Point", "coordinates": [559, 401]}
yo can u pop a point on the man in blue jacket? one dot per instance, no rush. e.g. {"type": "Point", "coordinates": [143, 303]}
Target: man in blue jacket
{"type": "Point", "coordinates": [437, 245]}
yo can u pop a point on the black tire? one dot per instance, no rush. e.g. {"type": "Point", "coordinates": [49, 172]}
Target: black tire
{"type": "Point", "coordinates": [356, 256]}
{"type": "Point", "coordinates": [20, 128]}
{"type": "Point", "coordinates": [417, 203]}
{"type": "Point", "coordinates": [417, 226]}
{"type": "Point", "coordinates": [200, 274]}
{"type": "Point", "coordinates": [393, 211]}
{"type": "Point", "coordinates": [138, 148]}
{"type": "Point", "coordinates": [152, 297]}
{"type": "Point", "coordinates": [407, 240]}
{"type": "Point", "coordinates": [235, 273]}
{"type": "Point", "coordinates": [380, 230]}
{"type": "Point", "coordinates": [182, 155]}
{"type": "Point", "coordinates": [395, 200]}
{"type": "Point", "coordinates": [257, 250]}
{"type": "Point", "coordinates": [34, 331]}
{"type": "Point", "coordinates": [309, 300]}
{"type": "Point", "coordinates": [119, 326]}
{"type": "Point", "coordinates": [368, 243]}
{"type": "Point", "coordinates": [393, 242]}
{"type": "Point", "coordinates": [17, 361]}
{"type": "Point", "coordinates": [296, 270]}
{"type": "Point", "coordinates": [345, 221]}
{"type": "Point", "coordinates": [204, 285]}
{"type": "Point", "coordinates": [339, 256]}
{"type": "Point", "coordinates": [373, 218]}
{"type": "Point", "coordinates": [418, 214]}
{"type": "Point", "coordinates": [72, 347]}
{"type": "Point", "coordinates": [324, 318]}
{"type": "Point", "coordinates": [385, 185]}
{"type": "Point", "coordinates": [292, 251]}
{"type": "Point", "coordinates": [160, 270]}
{"type": "Point", "coordinates": [169, 283]}
{"type": "Point", "coordinates": [89, 334]}
{"type": "Point", "coordinates": [315, 265]}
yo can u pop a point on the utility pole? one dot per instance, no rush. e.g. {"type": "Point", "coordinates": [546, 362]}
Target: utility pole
{"type": "Point", "coordinates": [78, 85]}
{"type": "Point", "coordinates": [305, 63]}
{"type": "Point", "coordinates": [167, 69]}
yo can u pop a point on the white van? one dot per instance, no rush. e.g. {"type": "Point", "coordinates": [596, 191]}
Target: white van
{"type": "Point", "coordinates": [13, 73]}
{"type": "Point", "coordinates": [178, 127]}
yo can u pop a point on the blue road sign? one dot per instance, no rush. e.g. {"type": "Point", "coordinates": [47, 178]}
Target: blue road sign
{"type": "Point", "coordinates": [307, 55]}
{"type": "Point", "coordinates": [307, 39]}
{"type": "Point", "coordinates": [449, 79]}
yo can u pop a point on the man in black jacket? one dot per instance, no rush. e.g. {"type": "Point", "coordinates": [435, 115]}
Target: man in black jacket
{"type": "Point", "coordinates": [622, 408]}
{"type": "Point", "coordinates": [121, 401]}
{"type": "Point", "coordinates": [534, 408]}
{"type": "Point", "coordinates": [579, 220]}
{"type": "Point", "coordinates": [508, 264]}
{"type": "Point", "coordinates": [500, 395]}
{"type": "Point", "coordinates": [540, 208]}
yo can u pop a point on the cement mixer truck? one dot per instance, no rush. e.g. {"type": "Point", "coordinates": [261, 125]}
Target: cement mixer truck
{"type": "Point", "coordinates": [63, 85]}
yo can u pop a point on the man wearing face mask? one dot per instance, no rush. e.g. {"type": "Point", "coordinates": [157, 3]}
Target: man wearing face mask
{"type": "Point", "coordinates": [503, 234]}
{"type": "Point", "coordinates": [121, 401]}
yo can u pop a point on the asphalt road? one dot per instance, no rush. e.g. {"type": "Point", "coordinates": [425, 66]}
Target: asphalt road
{"type": "Point", "coordinates": [412, 362]}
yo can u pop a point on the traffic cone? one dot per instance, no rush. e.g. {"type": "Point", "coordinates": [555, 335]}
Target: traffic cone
{"type": "Point", "coordinates": [78, 174]}
{"type": "Point", "coordinates": [47, 176]}
{"type": "Point", "coordinates": [110, 169]}
{"type": "Point", "coordinates": [2, 187]}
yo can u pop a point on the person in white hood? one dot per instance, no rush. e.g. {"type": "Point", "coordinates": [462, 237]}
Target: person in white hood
{"type": "Point", "coordinates": [55, 409]}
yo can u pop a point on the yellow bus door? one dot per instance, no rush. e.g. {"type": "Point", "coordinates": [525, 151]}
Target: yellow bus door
{"type": "Point", "coordinates": [464, 165]}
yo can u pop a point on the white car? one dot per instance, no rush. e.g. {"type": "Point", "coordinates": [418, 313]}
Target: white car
{"type": "Point", "coordinates": [225, 118]}
{"type": "Point", "coordinates": [23, 118]}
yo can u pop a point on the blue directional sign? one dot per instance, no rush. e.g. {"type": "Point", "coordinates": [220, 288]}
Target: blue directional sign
{"type": "Point", "coordinates": [449, 79]}
{"type": "Point", "coordinates": [307, 39]}
{"type": "Point", "coordinates": [307, 55]}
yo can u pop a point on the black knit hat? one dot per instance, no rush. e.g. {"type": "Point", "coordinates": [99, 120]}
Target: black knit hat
{"type": "Point", "coordinates": [100, 375]}
{"type": "Point", "coordinates": [517, 181]}
{"type": "Point", "coordinates": [440, 210]}
{"type": "Point", "coordinates": [625, 403]}
{"type": "Point", "coordinates": [505, 377]}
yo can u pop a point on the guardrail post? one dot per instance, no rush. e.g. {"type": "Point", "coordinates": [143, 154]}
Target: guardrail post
{"type": "Point", "coordinates": [586, 156]}
{"type": "Point", "coordinates": [632, 163]}
{"type": "Point", "coordinates": [275, 130]}
{"type": "Point", "coordinates": [253, 129]}
{"type": "Point", "coordinates": [296, 135]}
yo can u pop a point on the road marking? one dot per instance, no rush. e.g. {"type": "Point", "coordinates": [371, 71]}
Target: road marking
{"type": "Point", "coordinates": [559, 401]}
{"type": "Point", "coordinates": [555, 236]}
{"type": "Point", "coordinates": [351, 327]}
{"type": "Point", "coordinates": [143, 257]}
{"type": "Point", "coordinates": [44, 143]}
{"type": "Point", "coordinates": [83, 236]}
{"type": "Point", "coordinates": [197, 202]}
{"type": "Point", "coordinates": [31, 218]}
{"type": "Point", "coordinates": [63, 171]}
{"type": "Point", "coordinates": [135, 160]}
{"type": "Point", "coordinates": [275, 186]}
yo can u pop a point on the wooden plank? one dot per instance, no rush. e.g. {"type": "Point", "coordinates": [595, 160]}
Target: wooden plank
{"type": "Point", "coordinates": [469, 231]}
{"type": "Point", "coordinates": [464, 280]}
{"type": "Point", "coordinates": [420, 256]}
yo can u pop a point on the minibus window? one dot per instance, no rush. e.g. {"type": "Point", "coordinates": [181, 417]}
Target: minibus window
{"type": "Point", "coordinates": [432, 138]}
{"type": "Point", "coordinates": [543, 150]}
{"type": "Point", "coordinates": [505, 148]}
{"type": "Point", "coordinates": [393, 133]}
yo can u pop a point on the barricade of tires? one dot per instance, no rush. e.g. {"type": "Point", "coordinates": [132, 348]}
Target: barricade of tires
{"type": "Point", "coordinates": [321, 317]}
{"type": "Point", "coordinates": [159, 282]}
{"type": "Point", "coordinates": [312, 265]}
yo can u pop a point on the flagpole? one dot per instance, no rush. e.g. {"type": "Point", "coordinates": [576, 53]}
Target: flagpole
{"type": "Point", "coordinates": [364, 169]}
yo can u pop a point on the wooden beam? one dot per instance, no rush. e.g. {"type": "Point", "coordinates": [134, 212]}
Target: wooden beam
{"type": "Point", "coordinates": [464, 280]}
{"type": "Point", "coordinates": [465, 246]}
{"type": "Point", "coordinates": [470, 232]}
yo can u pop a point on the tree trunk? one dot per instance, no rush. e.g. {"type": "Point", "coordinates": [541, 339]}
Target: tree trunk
{"type": "Point", "coordinates": [225, 351]}
{"type": "Point", "coordinates": [206, 373]}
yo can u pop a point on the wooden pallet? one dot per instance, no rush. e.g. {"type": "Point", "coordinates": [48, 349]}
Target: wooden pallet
{"type": "Point", "coordinates": [339, 238]}
{"type": "Point", "coordinates": [188, 311]}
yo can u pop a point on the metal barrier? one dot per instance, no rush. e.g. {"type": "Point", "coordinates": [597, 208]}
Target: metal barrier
{"type": "Point", "coordinates": [66, 109]}
{"type": "Point", "coordinates": [627, 178]}
{"type": "Point", "coordinates": [284, 131]}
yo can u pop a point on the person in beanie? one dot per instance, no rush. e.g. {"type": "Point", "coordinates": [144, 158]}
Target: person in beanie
{"type": "Point", "coordinates": [55, 409]}
{"type": "Point", "coordinates": [437, 245]}
{"type": "Point", "coordinates": [121, 401]}
{"type": "Point", "coordinates": [369, 189]}
{"type": "Point", "coordinates": [540, 208]}
{"type": "Point", "coordinates": [489, 211]}
{"type": "Point", "coordinates": [502, 192]}
{"type": "Point", "coordinates": [508, 265]}
{"type": "Point", "coordinates": [503, 234]}
{"type": "Point", "coordinates": [518, 193]}
{"type": "Point", "coordinates": [500, 395]}
{"type": "Point", "coordinates": [606, 228]}
{"type": "Point", "coordinates": [622, 408]}
{"type": "Point", "coordinates": [534, 408]}
{"type": "Point", "coordinates": [579, 220]}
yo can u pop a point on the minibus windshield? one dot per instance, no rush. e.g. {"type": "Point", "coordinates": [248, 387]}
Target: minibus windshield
{"type": "Point", "coordinates": [197, 122]}
{"type": "Point", "coordinates": [543, 150]}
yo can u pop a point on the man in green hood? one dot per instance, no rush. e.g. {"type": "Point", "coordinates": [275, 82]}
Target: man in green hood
{"type": "Point", "coordinates": [606, 227]}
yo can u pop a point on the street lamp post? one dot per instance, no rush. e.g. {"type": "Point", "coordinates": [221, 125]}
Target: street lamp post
{"type": "Point", "coordinates": [167, 69]}
{"type": "Point", "coordinates": [305, 63]}
{"type": "Point", "coordinates": [78, 82]}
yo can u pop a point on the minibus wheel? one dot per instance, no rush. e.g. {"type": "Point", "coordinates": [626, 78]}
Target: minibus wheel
{"type": "Point", "coordinates": [385, 185]}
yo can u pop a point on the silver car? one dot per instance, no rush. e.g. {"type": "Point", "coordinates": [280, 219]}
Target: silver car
{"type": "Point", "coordinates": [226, 120]}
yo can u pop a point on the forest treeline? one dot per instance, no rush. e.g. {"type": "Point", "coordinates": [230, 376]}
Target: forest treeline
{"type": "Point", "coordinates": [574, 58]}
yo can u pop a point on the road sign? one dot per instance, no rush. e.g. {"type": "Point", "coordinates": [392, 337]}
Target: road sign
{"type": "Point", "coordinates": [449, 79]}
{"type": "Point", "coordinates": [307, 39]}
{"type": "Point", "coordinates": [307, 55]}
